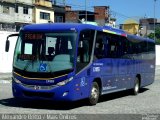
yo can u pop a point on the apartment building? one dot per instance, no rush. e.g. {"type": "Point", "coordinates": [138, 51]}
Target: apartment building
{"type": "Point", "coordinates": [15, 13]}
{"type": "Point", "coordinates": [43, 11]}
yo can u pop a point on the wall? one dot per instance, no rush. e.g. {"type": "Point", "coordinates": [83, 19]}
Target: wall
{"type": "Point", "coordinates": [44, 3]}
{"type": "Point", "coordinates": [28, 2]}
{"type": "Point", "coordinates": [23, 18]}
{"type": "Point", "coordinates": [13, 17]}
{"type": "Point", "coordinates": [102, 14]}
{"type": "Point", "coordinates": [4, 17]}
{"type": "Point", "coordinates": [6, 58]}
{"type": "Point", "coordinates": [158, 55]}
{"type": "Point", "coordinates": [131, 28]}
{"type": "Point", "coordinates": [71, 16]}
{"type": "Point", "coordinates": [37, 15]}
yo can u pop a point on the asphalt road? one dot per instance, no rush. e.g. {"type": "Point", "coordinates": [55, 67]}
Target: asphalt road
{"type": "Point", "coordinates": [147, 102]}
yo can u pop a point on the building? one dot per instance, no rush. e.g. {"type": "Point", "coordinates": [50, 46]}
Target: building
{"type": "Point", "coordinates": [6, 15]}
{"type": "Point", "coordinates": [59, 13]}
{"type": "Point", "coordinates": [79, 16]}
{"type": "Point", "coordinates": [112, 22]}
{"type": "Point", "coordinates": [100, 15]}
{"type": "Point", "coordinates": [71, 15]}
{"type": "Point", "coordinates": [23, 13]}
{"type": "Point", "coordinates": [143, 27]}
{"type": "Point", "coordinates": [43, 11]}
{"type": "Point", "coordinates": [130, 26]}
{"type": "Point", "coordinates": [147, 25]}
{"type": "Point", "coordinates": [15, 13]}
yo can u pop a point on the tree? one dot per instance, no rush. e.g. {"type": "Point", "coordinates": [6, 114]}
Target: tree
{"type": "Point", "coordinates": [157, 35]}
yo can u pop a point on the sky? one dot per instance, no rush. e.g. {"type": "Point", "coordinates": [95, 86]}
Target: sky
{"type": "Point", "coordinates": [121, 9]}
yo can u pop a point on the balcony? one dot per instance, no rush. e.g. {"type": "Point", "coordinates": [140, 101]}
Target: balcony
{"type": "Point", "coordinates": [46, 3]}
{"type": "Point", "coordinates": [25, 2]}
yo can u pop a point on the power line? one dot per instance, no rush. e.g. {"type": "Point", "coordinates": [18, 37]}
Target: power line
{"type": "Point", "coordinates": [119, 14]}
{"type": "Point", "coordinates": [112, 12]}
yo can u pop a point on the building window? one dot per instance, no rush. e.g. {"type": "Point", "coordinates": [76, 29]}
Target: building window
{"type": "Point", "coordinates": [25, 10]}
{"type": "Point", "coordinates": [6, 9]}
{"type": "Point", "coordinates": [59, 18]}
{"type": "Point", "coordinates": [45, 16]}
{"type": "Point", "coordinates": [16, 9]}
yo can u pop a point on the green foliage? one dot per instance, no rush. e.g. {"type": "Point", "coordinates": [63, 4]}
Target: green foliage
{"type": "Point", "coordinates": [157, 35]}
{"type": "Point", "coordinates": [151, 35]}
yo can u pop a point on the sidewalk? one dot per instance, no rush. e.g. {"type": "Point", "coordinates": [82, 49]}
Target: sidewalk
{"type": "Point", "coordinates": [5, 76]}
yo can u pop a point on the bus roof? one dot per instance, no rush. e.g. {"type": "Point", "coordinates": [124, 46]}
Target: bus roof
{"type": "Point", "coordinates": [139, 38]}
{"type": "Point", "coordinates": [49, 27]}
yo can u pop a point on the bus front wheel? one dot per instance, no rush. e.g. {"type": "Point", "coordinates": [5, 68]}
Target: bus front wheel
{"type": "Point", "coordinates": [94, 94]}
{"type": "Point", "coordinates": [136, 86]}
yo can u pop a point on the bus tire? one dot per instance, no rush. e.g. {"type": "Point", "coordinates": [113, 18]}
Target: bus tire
{"type": "Point", "coordinates": [94, 94]}
{"type": "Point", "coordinates": [136, 86]}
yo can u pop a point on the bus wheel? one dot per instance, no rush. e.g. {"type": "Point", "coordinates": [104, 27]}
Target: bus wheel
{"type": "Point", "coordinates": [136, 86]}
{"type": "Point", "coordinates": [94, 95]}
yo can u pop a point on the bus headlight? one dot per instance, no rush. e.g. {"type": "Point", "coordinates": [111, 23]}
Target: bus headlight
{"type": "Point", "coordinates": [65, 82]}
{"type": "Point", "coordinates": [16, 80]}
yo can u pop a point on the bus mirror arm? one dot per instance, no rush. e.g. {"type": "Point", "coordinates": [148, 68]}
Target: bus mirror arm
{"type": "Point", "coordinates": [8, 42]}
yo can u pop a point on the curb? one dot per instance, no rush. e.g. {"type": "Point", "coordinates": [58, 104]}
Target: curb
{"type": "Point", "coordinates": [5, 76]}
{"type": "Point", "coordinates": [5, 81]}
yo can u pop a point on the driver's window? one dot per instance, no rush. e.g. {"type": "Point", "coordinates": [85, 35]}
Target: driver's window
{"type": "Point", "coordinates": [85, 48]}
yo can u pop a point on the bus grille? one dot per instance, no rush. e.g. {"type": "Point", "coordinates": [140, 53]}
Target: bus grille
{"type": "Point", "coordinates": [38, 94]}
{"type": "Point", "coordinates": [37, 87]}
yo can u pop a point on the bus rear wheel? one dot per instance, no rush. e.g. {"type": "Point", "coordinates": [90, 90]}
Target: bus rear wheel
{"type": "Point", "coordinates": [136, 86]}
{"type": "Point", "coordinates": [94, 94]}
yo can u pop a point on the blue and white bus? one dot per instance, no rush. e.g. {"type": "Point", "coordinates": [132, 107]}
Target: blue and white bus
{"type": "Point", "coordinates": [64, 61]}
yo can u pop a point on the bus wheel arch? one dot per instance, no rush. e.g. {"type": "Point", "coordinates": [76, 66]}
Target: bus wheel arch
{"type": "Point", "coordinates": [139, 77]}
{"type": "Point", "coordinates": [137, 84]}
{"type": "Point", "coordinates": [99, 82]}
{"type": "Point", "coordinates": [95, 91]}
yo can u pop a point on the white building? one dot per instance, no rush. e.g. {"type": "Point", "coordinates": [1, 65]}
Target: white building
{"type": "Point", "coordinates": [15, 13]}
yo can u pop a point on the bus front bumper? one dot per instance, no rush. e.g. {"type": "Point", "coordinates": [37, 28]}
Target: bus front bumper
{"type": "Point", "coordinates": [57, 93]}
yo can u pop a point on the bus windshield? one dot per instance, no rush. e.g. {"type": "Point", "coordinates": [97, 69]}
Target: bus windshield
{"type": "Point", "coordinates": [45, 52]}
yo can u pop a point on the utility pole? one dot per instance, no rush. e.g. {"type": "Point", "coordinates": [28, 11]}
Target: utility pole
{"type": "Point", "coordinates": [64, 3]}
{"type": "Point", "coordinates": [155, 19]}
{"type": "Point", "coordinates": [86, 10]}
{"type": "Point", "coordinates": [55, 2]}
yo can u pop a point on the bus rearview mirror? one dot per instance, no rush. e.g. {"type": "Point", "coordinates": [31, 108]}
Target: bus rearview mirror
{"type": "Point", "coordinates": [8, 42]}
{"type": "Point", "coordinates": [7, 45]}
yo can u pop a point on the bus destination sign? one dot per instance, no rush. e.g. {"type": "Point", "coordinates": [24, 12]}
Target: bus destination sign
{"type": "Point", "coordinates": [33, 36]}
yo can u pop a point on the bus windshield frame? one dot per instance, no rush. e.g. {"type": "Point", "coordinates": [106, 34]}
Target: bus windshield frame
{"type": "Point", "coordinates": [45, 52]}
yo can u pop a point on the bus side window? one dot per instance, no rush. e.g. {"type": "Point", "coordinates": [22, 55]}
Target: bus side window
{"type": "Point", "coordinates": [84, 48]}
{"type": "Point", "coordinates": [113, 51]}
{"type": "Point", "coordinates": [83, 51]}
{"type": "Point", "coordinates": [113, 47]}
{"type": "Point", "coordinates": [99, 50]}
